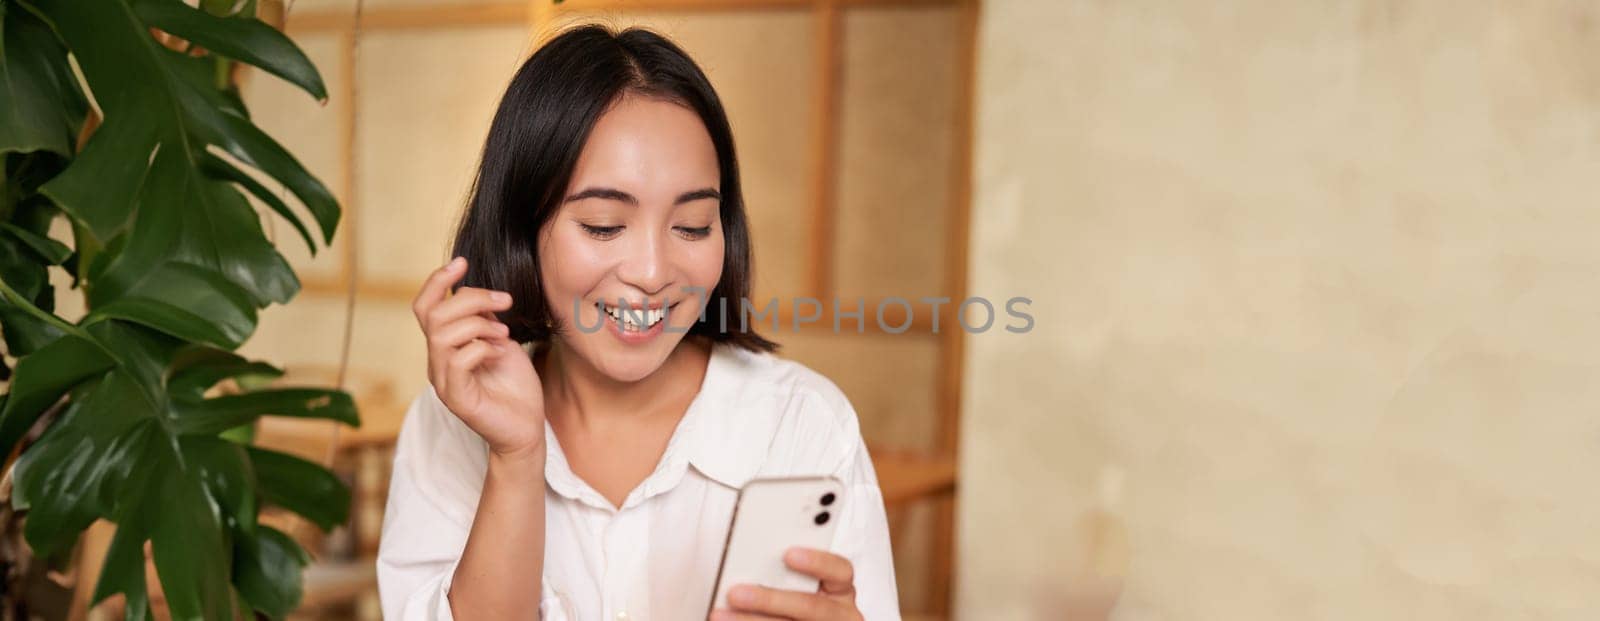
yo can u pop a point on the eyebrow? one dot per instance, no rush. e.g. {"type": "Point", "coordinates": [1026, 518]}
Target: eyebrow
{"type": "Point", "coordinates": [618, 195]}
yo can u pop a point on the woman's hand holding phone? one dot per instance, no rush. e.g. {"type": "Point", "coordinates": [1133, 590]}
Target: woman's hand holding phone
{"type": "Point", "coordinates": [835, 598]}
{"type": "Point", "coordinates": [480, 374]}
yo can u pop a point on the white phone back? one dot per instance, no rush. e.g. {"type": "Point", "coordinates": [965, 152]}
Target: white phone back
{"type": "Point", "coordinates": [771, 516]}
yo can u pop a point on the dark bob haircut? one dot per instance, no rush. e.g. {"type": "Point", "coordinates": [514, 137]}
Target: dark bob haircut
{"type": "Point", "coordinates": [539, 130]}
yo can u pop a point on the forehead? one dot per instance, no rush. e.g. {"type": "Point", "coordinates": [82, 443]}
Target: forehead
{"type": "Point", "coordinates": [642, 145]}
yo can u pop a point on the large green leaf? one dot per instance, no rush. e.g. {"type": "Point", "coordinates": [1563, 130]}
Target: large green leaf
{"type": "Point", "coordinates": [25, 250]}
{"type": "Point", "coordinates": [243, 140]}
{"type": "Point", "coordinates": [42, 377]}
{"type": "Point", "coordinates": [191, 547]}
{"type": "Point", "coordinates": [123, 568]}
{"type": "Point", "coordinates": [222, 169]}
{"type": "Point", "coordinates": [20, 178]}
{"type": "Point", "coordinates": [267, 568]}
{"type": "Point", "coordinates": [215, 415]}
{"type": "Point", "coordinates": [241, 38]}
{"type": "Point", "coordinates": [183, 300]}
{"type": "Point", "coordinates": [51, 251]}
{"type": "Point", "coordinates": [219, 232]}
{"type": "Point", "coordinates": [155, 466]}
{"type": "Point", "coordinates": [197, 368]}
{"type": "Point", "coordinates": [174, 263]}
{"type": "Point", "coordinates": [166, 502]}
{"type": "Point", "coordinates": [41, 106]}
{"type": "Point", "coordinates": [302, 487]}
{"type": "Point", "coordinates": [139, 351]}
{"type": "Point", "coordinates": [24, 271]}
{"type": "Point", "coordinates": [163, 109]}
{"type": "Point", "coordinates": [73, 474]}
{"type": "Point", "coordinates": [228, 476]}
{"type": "Point", "coordinates": [23, 333]}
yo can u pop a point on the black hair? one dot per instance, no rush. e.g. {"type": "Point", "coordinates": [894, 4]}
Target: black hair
{"type": "Point", "coordinates": [538, 132]}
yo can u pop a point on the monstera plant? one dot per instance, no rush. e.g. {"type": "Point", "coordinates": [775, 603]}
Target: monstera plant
{"type": "Point", "coordinates": [120, 119]}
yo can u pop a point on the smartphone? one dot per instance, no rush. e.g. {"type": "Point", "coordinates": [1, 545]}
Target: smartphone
{"type": "Point", "coordinates": [771, 516]}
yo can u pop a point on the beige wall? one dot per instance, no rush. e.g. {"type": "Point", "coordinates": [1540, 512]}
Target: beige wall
{"type": "Point", "coordinates": [1318, 300]}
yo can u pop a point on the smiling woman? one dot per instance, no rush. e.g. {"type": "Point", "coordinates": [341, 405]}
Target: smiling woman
{"type": "Point", "coordinates": [641, 232]}
{"type": "Point", "coordinates": [556, 471]}
{"type": "Point", "coordinates": [585, 137]}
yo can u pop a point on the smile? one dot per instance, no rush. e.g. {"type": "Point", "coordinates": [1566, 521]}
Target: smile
{"type": "Point", "coordinates": [629, 319]}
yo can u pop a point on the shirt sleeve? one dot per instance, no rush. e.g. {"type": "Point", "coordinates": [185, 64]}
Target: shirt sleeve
{"type": "Point", "coordinates": [863, 537]}
{"type": "Point", "coordinates": [433, 493]}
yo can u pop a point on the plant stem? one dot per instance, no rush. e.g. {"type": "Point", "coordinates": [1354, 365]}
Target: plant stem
{"type": "Point", "coordinates": [220, 72]}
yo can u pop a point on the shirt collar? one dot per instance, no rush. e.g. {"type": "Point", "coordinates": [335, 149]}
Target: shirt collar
{"type": "Point", "coordinates": [726, 440]}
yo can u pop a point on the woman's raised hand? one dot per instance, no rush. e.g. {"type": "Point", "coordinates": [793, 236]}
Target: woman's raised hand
{"type": "Point", "coordinates": [483, 376]}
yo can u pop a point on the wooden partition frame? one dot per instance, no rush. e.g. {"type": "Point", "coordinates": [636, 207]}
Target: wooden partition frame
{"type": "Point", "coordinates": [823, 168]}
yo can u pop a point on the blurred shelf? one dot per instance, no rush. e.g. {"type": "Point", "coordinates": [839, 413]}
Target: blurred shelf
{"type": "Point", "coordinates": [338, 583]}
{"type": "Point", "coordinates": [309, 438]}
{"type": "Point", "coordinates": [375, 400]}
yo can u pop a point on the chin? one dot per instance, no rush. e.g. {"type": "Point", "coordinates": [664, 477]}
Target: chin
{"type": "Point", "coordinates": [628, 371]}
{"type": "Point", "coordinates": [631, 364]}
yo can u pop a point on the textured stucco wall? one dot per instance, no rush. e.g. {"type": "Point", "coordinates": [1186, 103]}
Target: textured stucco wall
{"type": "Point", "coordinates": [1318, 298]}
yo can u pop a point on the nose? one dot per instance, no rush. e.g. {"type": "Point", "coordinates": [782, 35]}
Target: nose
{"type": "Point", "coordinates": [645, 264]}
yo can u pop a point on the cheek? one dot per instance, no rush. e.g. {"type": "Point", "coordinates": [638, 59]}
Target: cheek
{"type": "Point", "coordinates": [704, 267]}
{"type": "Point", "coordinates": [569, 269]}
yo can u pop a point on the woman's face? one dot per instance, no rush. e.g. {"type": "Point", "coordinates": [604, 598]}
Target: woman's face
{"type": "Point", "coordinates": [639, 228]}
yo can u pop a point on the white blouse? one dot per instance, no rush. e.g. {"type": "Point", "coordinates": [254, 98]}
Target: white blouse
{"type": "Point", "coordinates": [656, 557]}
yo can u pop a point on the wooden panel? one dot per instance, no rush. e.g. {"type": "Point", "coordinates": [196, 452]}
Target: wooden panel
{"type": "Point", "coordinates": [742, 53]}
{"type": "Point", "coordinates": [310, 130]}
{"type": "Point", "coordinates": [300, 7]}
{"type": "Point", "coordinates": [908, 476]}
{"type": "Point", "coordinates": [953, 343]}
{"type": "Point", "coordinates": [420, 16]}
{"type": "Point", "coordinates": [383, 14]}
{"type": "Point", "coordinates": [379, 5]}
{"type": "Point", "coordinates": [911, 531]}
{"type": "Point", "coordinates": [889, 380]}
{"type": "Point", "coordinates": [898, 107]}
{"type": "Point", "coordinates": [427, 97]}
{"type": "Point", "coordinates": [822, 165]}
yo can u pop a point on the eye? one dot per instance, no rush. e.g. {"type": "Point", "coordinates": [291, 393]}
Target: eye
{"type": "Point", "coordinates": [601, 232]}
{"type": "Point", "coordinates": [694, 232]}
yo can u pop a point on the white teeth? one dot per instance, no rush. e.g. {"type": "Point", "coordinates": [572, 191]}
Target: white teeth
{"type": "Point", "coordinates": [629, 318]}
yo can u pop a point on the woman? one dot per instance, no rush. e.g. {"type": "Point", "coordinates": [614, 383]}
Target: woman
{"type": "Point", "coordinates": [593, 475]}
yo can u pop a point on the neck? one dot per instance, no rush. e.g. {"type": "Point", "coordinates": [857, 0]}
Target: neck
{"type": "Point", "coordinates": [583, 395]}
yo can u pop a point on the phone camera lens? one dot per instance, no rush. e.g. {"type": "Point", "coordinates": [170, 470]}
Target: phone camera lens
{"type": "Point", "coordinates": [827, 499]}
{"type": "Point", "coordinates": [822, 518]}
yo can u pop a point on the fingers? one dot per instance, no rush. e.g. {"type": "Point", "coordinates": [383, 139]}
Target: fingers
{"type": "Point", "coordinates": [835, 572]}
{"type": "Point", "coordinates": [459, 332]}
{"type": "Point", "coordinates": [458, 372]}
{"type": "Point", "coordinates": [466, 302]}
{"type": "Point", "coordinates": [443, 342]}
{"type": "Point", "coordinates": [434, 306]}
{"type": "Point", "coordinates": [437, 284]}
{"type": "Point", "coordinates": [836, 590]}
{"type": "Point", "coordinates": [749, 598]}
